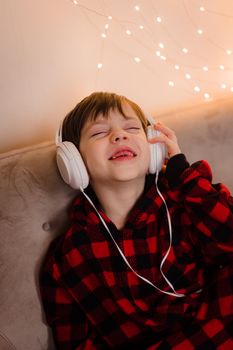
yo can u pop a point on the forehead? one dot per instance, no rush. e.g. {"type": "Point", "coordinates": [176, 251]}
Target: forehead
{"type": "Point", "coordinates": [114, 114]}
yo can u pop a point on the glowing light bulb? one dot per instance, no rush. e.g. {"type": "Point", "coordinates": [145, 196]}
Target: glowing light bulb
{"type": "Point", "coordinates": [128, 32]}
{"type": "Point", "coordinates": [200, 31]}
{"type": "Point", "coordinates": [161, 45]}
{"type": "Point", "coordinates": [158, 53]}
{"type": "Point", "coordinates": [177, 67]}
{"type": "Point", "coordinates": [202, 9]}
{"type": "Point", "coordinates": [187, 76]}
{"type": "Point", "coordinates": [231, 89]}
{"type": "Point", "coordinates": [141, 27]}
{"type": "Point", "coordinates": [229, 52]}
{"type": "Point", "coordinates": [185, 50]}
{"type": "Point", "coordinates": [196, 89]}
{"type": "Point", "coordinates": [206, 95]}
{"type": "Point", "coordinates": [163, 58]}
{"type": "Point", "coordinates": [106, 26]}
{"type": "Point", "coordinates": [221, 67]}
{"type": "Point", "coordinates": [110, 18]}
{"type": "Point", "coordinates": [223, 86]}
{"type": "Point", "coordinates": [103, 35]}
{"type": "Point", "coordinates": [137, 8]}
{"type": "Point", "coordinates": [205, 68]}
{"type": "Point", "coordinates": [75, 2]}
{"type": "Point", "coordinates": [137, 59]}
{"type": "Point", "coordinates": [159, 19]}
{"type": "Point", "coordinates": [171, 83]}
{"type": "Point", "coordinates": [99, 65]}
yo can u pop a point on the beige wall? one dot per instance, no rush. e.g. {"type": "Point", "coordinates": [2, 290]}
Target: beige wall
{"type": "Point", "coordinates": [49, 51]}
{"type": "Point", "coordinates": [42, 76]}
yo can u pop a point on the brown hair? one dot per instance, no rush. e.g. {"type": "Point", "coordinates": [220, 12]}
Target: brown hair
{"type": "Point", "coordinates": [90, 107]}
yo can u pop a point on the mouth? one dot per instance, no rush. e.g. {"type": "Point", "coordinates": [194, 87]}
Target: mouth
{"type": "Point", "coordinates": [123, 154]}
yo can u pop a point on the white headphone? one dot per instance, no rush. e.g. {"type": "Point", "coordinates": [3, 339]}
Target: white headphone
{"type": "Point", "coordinates": [73, 169]}
{"type": "Point", "coordinates": [74, 173]}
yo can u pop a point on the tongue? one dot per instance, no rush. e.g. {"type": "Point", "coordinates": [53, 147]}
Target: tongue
{"type": "Point", "coordinates": [122, 154]}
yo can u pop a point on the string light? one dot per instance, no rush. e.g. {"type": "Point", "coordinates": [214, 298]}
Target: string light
{"type": "Point", "coordinates": [161, 45]}
{"type": "Point", "coordinates": [196, 89]}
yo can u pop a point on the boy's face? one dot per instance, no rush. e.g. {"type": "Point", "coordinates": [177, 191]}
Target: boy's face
{"type": "Point", "coordinates": [115, 148]}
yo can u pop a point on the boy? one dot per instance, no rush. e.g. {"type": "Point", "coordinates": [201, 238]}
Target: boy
{"type": "Point", "coordinates": [122, 286]}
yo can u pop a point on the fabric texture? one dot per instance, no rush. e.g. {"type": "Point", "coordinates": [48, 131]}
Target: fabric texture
{"type": "Point", "coordinates": [93, 301]}
{"type": "Point", "coordinates": [33, 211]}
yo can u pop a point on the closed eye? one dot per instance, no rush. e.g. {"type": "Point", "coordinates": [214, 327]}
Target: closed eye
{"type": "Point", "coordinates": [98, 133]}
{"type": "Point", "coordinates": [133, 128]}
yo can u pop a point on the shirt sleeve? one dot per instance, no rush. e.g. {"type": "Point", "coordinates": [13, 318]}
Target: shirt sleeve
{"type": "Point", "coordinates": [208, 207]}
{"type": "Point", "coordinates": [175, 167]}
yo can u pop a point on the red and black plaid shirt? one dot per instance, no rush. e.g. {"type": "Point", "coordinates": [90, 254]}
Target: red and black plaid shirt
{"type": "Point", "coordinates": [92, 300]}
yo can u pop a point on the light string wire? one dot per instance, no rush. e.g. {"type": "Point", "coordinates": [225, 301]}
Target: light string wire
{"type": "Point", "coordinates": [207, 38]}
{"type": "Point", "coordinates": [183, 67]}
{"type": "Point", "coordinates": [152, 33]}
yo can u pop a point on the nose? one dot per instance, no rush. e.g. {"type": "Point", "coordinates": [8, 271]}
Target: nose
{"type": "Point", "coordinates": [118, 135]}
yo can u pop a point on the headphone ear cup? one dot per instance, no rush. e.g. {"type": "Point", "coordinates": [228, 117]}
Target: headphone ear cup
{"type": "Point", "coordinates": [71, 165]}
{"type": "Point", "coordinates": [157, 152]}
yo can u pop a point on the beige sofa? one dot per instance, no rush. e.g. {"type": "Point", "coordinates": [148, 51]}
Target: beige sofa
{"type": "Point", "coordinates": [33, 210]}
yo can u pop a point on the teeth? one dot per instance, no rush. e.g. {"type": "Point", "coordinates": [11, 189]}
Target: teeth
{"type": "Point", "coordinates": [123, 154]}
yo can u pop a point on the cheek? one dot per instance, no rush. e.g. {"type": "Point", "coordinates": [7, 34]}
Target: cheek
{"type": "Point", "coordinates": [145, 147]}
{"type": "Point", "coordinates": [91, 156]}
{"type": "Point", "coordinates": [85, 154]}
{"type": "Point", "coordinates": [147, 155]}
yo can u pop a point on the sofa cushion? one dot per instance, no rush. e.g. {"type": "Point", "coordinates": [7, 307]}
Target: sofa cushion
{"type": "Point", "coordinates": [33, 210]}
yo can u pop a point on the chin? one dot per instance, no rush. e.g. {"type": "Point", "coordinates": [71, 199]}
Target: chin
{"type": "Point", "coordinates": [130, 176]}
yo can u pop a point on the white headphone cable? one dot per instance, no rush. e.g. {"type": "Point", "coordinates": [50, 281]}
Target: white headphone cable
{"type": "Point", "coordinates": [170, 237]}
{"type": "Point", "coordinates": [126, 261]}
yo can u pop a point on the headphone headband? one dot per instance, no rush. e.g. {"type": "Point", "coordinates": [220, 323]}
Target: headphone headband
{"type": "Point", "coordinates": [73, 169]}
